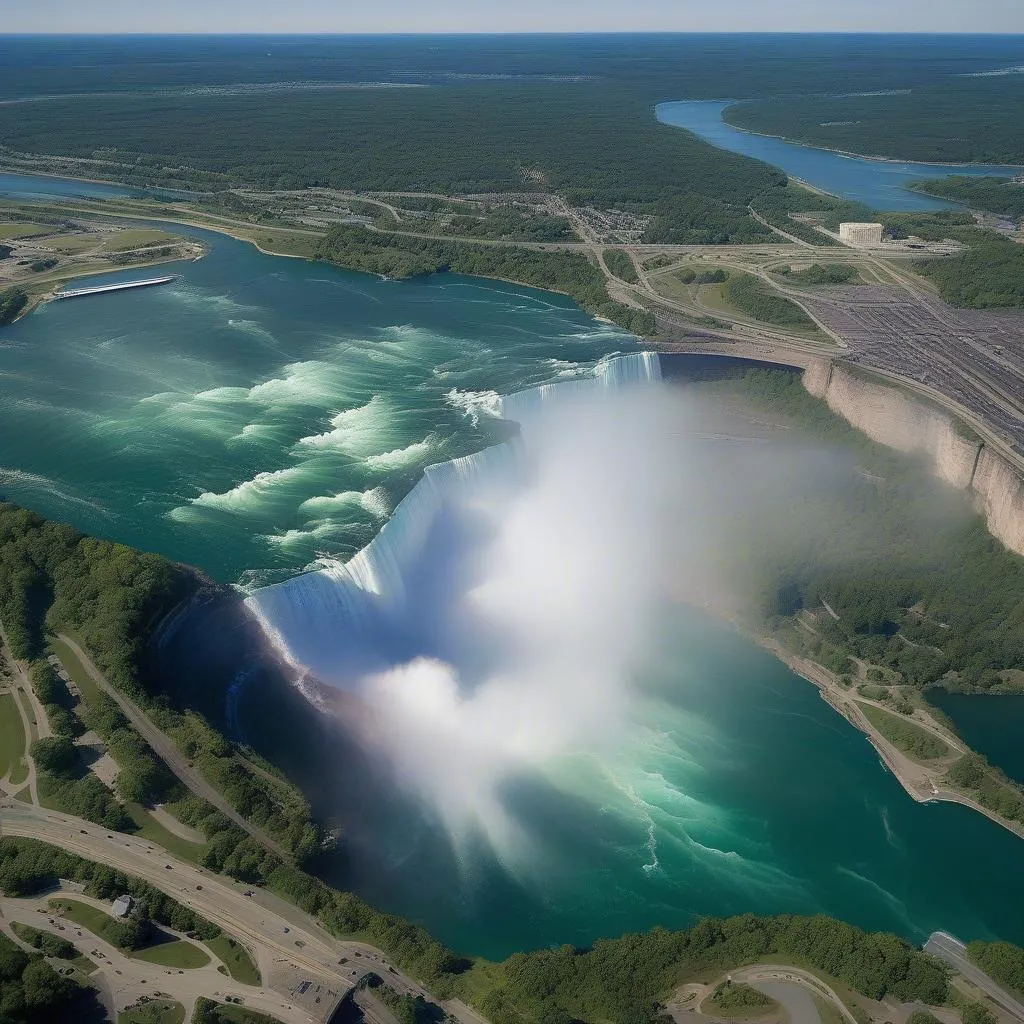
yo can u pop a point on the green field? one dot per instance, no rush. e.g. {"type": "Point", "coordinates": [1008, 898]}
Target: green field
{"type": "Point", "coordinates": [172, 953]}
{"type": "Point", "coordinates": [74, 668]}
{"type": "Point", "coordinates": [29, 713]}
{"type": "Point", "coordinates": [22, 230]}
{"type": "Point", "coordinates": [97, 921]}
{"type": "Point", "coordinates": [155, 1011]}
{"type": "Point", "coordinates": [12, 735]}
{"type": "Point", "coordinates": [176, 953]}
{"type": "Point", "coordinates": [236, 958]}
{"type": "Point", "coordinates": [133, 238]}
{"type": "Point", "coordinates": [151, 829]}
{"type": "Point", "coordinates": [914, 741]}
{"type": "Point", "coordinates": [229, 1013]}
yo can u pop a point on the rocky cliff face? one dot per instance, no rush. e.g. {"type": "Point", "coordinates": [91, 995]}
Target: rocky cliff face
{"type": "Point", "coordinates": [1000, 490]}
{"type": "Point", "coordinates": [896, 418]}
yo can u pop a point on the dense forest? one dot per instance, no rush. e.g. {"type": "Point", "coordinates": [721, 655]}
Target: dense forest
{"type": "Point", "coordinates": [30, 989]}
{"type": "Point", "coordinates": [957, 119]}
{"type": "Point", "coordinates": [12, 302]}
{"type": "Point", "coordinates": [401, 256]}
{"type": "Point", "coordinates": [1002, 961]}
{"type": "Point", "coordinates": [1002, 196]}
{"type": "Point", "coordinates": [990, 274]}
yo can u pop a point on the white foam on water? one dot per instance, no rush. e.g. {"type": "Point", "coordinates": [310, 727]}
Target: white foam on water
{"type": "Point", "coordinates": [374, 501]}
{"type": "Point", "coordinates": [403, 458]}
{"type": "Point", "coordinates": [474, 404]}
{"type": "Point", "coordinates": [250, 494]}
{"type": "Point", "coordinates": [358, 432]}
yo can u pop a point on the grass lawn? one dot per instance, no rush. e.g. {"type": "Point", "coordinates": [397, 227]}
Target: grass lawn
{"type": "Point", "coordinates": [151, 829]}
{"type": "Point", "coordinates": [176, 953]}
{"type": "Point", "coordinates": [22, 230]}
{"type": "Point", "coordinates": [914, 741]}
{"type": "Point", "coordinates": [155, 1011]}
{"type": "Point", "coordinates": [171, 953]}
{"type": "Point", "coordinates": [134, 238]}
{"type": "Point", "coordinates": [75, 669]}
{"type": "Point", "coordinates": [12, 734]}
{"type": "Point", "coordinates": [90, 918]}
{"type": "Point", "coordinates": [236, 958]}
{"type": "Point", "coordinates": [19, 773]}
{"type": "Point", "coordinates": [828, 1012]}
{"type": "Point", "coordinates": [240, 1015]}
{"type": "Point", "coordinates": [24, 795]}
{"type": "Point", "coordinates": [29, 714]}
{"type": "Point", "coordinates": [71, 244]}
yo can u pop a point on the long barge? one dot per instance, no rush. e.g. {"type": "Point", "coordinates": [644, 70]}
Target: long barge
{"type": "Point", "coordinates": [77, 293]}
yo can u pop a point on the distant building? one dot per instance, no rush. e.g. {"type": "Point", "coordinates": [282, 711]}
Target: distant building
{"type": "Point", "coordinates": [122, 906]}
{"type": "Point", "coordinates": [860, 234]}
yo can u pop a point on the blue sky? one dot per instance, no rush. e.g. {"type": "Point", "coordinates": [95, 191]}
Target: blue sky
{"type": "Point", "coordinates": [511, 15]}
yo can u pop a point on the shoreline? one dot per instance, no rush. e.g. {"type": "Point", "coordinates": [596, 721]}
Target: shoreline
{"type": "Point", "coordinates": [850, 154]}
{"type": "Point", "coordinates": [902, 767]}
{"type": "Point", "coordinates": [44, 297]}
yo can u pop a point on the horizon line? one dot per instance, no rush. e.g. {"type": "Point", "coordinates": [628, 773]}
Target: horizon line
{"type": "Point", "coordinates": [945, 33]}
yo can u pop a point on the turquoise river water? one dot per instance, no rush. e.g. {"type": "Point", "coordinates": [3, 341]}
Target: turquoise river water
{"type": "Point", "coordinates": [260, 411]}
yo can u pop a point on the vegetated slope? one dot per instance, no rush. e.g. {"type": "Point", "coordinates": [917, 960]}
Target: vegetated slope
{"type": "Point", "coordinates": [941, 603]}
{"type": "Point", "coordinates": [1002, 961]}
{"type": "Point", "coordinates": [988, 275]}
{"type": "Point", "coordinates": [618, 980]}
{"type": "Point", "coordinates": [956, 120]}
{"type": "Point", "coordinates": [403, 256]}
{"type": "Point", "coordinates": [1003, 196]}
{"type": "Point", "coordinates": [112, 597]}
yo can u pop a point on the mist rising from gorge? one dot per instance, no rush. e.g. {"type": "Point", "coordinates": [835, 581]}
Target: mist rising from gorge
{"type": "Point", "coordinates": [536, 601]}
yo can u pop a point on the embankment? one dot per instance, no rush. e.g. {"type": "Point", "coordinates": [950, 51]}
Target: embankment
{"type": "Point", "coordinates": [900, 420]}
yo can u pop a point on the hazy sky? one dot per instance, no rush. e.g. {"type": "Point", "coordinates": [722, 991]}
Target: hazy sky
{"type": "Point", "coordinates": [505, 16]}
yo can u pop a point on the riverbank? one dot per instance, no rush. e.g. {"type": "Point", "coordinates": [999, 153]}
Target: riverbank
{"type": "Point", "coordinates": [859, 156]}
{"type": "Point", "coordinates": [924, 783]}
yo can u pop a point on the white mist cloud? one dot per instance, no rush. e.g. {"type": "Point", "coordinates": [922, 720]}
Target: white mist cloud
{"type": "Point", "coordinates": [564, 592]}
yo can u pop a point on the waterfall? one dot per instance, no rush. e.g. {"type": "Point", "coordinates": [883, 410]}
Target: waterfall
{"type": "Point", "coordinates": [324, 621]}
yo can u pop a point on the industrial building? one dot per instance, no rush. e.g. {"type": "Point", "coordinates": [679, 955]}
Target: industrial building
{"type": "Point", "coordinates": [860, 234]}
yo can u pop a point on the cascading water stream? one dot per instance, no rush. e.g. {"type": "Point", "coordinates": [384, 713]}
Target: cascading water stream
{"type": "Point", "coordinates": [313, 618]}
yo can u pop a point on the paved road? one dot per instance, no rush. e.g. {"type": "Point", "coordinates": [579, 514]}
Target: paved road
{"type": "Point", "coordinates": [121, 980]}
{"type": "Point", "coordinates": [283, 936]}
{"type": "Point", "coordinates": [954, 952]}
{"type": "Point", "coordinates": [168, 751]}
{"type": "Point", "coordinates": [795, 1000]}
{"type": "Point", "coordinates": [791, 980]}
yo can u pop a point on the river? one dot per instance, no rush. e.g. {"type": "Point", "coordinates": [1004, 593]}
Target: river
{"type": "Point", "coordinates": [880, 184]}
{"type": "Point", "coordinates": [262, 410]}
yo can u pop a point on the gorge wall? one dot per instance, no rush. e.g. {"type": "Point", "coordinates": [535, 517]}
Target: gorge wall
{"type": "Point", "coordinates": [898, 419]}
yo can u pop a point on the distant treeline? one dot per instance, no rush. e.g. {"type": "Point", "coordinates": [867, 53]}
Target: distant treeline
{"type": "Point", "coordinates": [401, 256]}
{"type": "Point", "coordinates": [1002, 196]}
{"type": "Point", "coordinates": [956, 120]}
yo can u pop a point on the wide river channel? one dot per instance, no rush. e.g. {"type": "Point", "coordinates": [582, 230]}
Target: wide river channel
{"type": "Point", "coordinates": [880, 184]}
{"type": "Point", "coordinates": [260, 410]}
